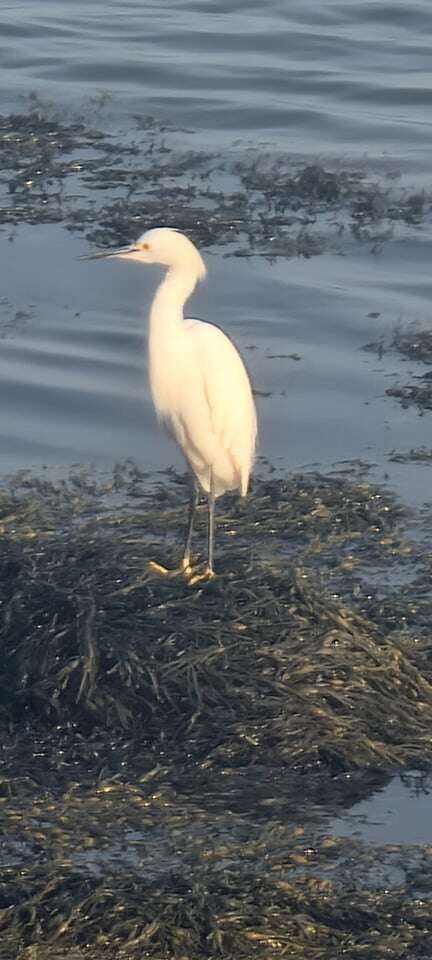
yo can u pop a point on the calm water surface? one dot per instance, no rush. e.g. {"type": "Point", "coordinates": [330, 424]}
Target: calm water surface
{"type": "Point", "coordinates": [342, 82]}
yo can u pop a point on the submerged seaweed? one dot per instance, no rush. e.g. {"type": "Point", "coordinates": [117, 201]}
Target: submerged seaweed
{"type": "Point", "coordinates": [415, 455]}
{"type": "Point", "coordinates": [216, 913]}
{"type": "Point", "coordinates": [253, 204]}
{"type": "Point", "coordinates": [413, 395]}
{"type": "Point", "coordinates": [414, 345]}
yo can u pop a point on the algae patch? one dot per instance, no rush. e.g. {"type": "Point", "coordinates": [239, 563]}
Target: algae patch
{"type": "Point", "coordinates": [415, 345]}
{"type": "Point", "coordinates": [251, 202]}
{"type": "Point", "coordinates": [415, 455]}
{"type": "Point", "coordinates": [413, 395]}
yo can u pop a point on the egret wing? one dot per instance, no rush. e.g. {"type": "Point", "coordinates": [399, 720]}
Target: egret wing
{"type": "Point", "coordinates": [227, 395]}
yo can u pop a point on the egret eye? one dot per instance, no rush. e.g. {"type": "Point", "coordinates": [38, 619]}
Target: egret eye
{"type": "Point", "coordinates": [145, 246]}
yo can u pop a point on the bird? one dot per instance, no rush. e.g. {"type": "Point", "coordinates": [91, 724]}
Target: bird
{"type": "Point", "coordinates": [199, 384]}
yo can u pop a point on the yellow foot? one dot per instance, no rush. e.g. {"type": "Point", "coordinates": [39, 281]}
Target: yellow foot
{"type": "Point", "coordinates": [154, 567]}
{"type": "Point", "coordinates": [205, 575]}
{"type": "Point", "coordinates": [184, 569]}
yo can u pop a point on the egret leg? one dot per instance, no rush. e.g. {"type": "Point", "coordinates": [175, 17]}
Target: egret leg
{"type": "Point", "coordinates": [185, 566]}
{"type": "Point", "coordinates": [210, 532]}
{"type": "Point", "coordinates": [193, 503]}
{"type": "Point", "coordinates": [208, 572]}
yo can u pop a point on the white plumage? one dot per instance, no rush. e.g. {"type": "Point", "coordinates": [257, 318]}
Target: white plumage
{"type": "Point", "coordinates": [207, 403]}
{"type": "Point", "coordinates": [198, 380]}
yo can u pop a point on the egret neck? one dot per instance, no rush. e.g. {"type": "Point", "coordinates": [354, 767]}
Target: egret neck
{"type": "Point", "coordinates": [166, 311]}
{"type": "Point", "coordinates": [167, 338]}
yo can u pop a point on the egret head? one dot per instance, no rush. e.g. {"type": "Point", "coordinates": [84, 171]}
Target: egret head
{"type": "Point", "coordinates": [165, 246]}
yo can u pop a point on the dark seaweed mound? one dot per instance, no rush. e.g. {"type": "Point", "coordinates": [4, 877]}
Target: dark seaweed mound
{"type": "Point", "coordinates": [167, 749]}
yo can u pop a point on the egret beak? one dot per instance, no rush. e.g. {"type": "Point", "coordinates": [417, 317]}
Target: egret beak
{"type": "Point", "coordinates": [118, 252]}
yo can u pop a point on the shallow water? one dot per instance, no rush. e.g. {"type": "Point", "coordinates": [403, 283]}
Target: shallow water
{"type": "Point", "coordinates": [398, 813]}
{"type": "Point", "coordinates": [73, 381]}
{"type": "Point", "coordinates": [350, 82]}
{"type": "Point", "coordinates": [350, 78]}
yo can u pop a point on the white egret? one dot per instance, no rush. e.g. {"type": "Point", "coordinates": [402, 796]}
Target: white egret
{"type": "Point", "coordinates": [199, 384]}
